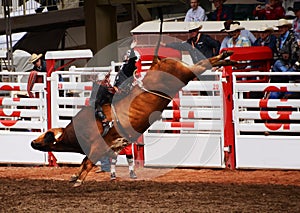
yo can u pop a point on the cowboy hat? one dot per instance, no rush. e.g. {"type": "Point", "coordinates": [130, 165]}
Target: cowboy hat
{"type": "Point", "coordinates": [228, 23]}
{"type": "Point", "coordinates": [290, 14]}
{"type": "Point", "coordinates": [283, 22]}
{"type": "Point", "coordinates": [264, 28]}
{"type": "Point", "coordinates": [194, 26]}
{"type": "Point", "coordinates": [34, 57]}
{"type": "Point", "coordinates": [234, 27]}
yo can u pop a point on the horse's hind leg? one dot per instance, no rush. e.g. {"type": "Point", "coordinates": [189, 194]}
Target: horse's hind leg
{"type": "Point", "coordinates": [218, 60]}
{"type": "Point", "coordinates": [224, 63]}
{"type": "Point", "coordinates": [85, 168]}
{"type": "Point", "coordinates": [75, 176]}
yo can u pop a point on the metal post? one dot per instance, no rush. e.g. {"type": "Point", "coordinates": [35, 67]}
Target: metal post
{"type": "Point", "coordinates": [24, 7]}
{"type": "Point", "coordinates": [134, 15]}
{"type": "Point", "coordinates": [229, 137]}
{"type": "Point", "coordinates": [8, 36]}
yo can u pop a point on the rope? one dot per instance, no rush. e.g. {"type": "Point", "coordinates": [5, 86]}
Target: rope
{"type": "Point", "coordinates": [122, 130]}
{"type": "Point", "coordinates": [30, 83]}
{"type": "Point", "coordinates": [140, 83]}
{"type": "Point", "coordinates": [160, 32]}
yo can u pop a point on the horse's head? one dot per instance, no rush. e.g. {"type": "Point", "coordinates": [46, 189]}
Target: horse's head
{"type": "Point", "coordinates": [49, 141]}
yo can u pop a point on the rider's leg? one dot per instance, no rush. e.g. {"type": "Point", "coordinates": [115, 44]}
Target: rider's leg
{"type": "Point", "coordinates": [100, 114]}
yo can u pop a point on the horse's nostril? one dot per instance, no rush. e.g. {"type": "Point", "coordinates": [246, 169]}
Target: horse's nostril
{"type": "Point", "coordinates": [33, 144]}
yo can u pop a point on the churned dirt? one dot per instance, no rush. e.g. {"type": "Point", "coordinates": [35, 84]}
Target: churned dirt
{"type": "Point", "coordinates": [47, 189]}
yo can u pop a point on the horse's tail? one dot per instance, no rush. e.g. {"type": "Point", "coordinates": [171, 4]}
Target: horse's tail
{"type": "Point", "coordinates": [156, 58]}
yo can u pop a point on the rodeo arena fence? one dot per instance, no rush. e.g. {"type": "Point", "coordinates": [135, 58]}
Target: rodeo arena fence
{"type": "Point", "coordinates": [222, 120]}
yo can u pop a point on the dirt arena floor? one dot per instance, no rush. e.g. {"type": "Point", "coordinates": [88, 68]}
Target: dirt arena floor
{"type": "Point", "coordinates": [47, 189]}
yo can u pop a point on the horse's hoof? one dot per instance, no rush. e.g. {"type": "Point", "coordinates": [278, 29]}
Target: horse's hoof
{"type": "Point", "coordinates": [229, 62]}
{"type": "Point", "coordinates": [77, 183]}
{"type": "Point", "coordinates": [73, 178]}
{"type": "Point", "coordinates": [225, 54]}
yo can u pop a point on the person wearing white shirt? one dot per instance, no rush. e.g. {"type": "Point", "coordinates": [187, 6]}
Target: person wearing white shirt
{"type": "Point", "coordinates": [196, 13]}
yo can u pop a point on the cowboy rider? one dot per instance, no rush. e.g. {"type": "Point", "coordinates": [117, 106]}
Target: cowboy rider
{"type": "Point", "coordinates": [105, 91]}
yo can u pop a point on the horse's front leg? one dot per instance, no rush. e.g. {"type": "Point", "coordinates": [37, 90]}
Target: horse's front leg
{"type": "Point", "coordinates": [84, 169]}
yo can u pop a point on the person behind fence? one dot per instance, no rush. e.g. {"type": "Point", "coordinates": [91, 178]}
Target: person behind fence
{"type": "Point", "coordinates": [39, 65]}
{"type": "Point", "coordinates": [267, 38]}
{"type": "Point", "coordinates": [270, 11]}
{"type": "Point", "coordinates": [288, 55]}
{"type": "Point", "coordinates": [236, 39]}
{"type": "Point", "coordinates": [244, 33]}
{"type": "Point", "coordinates": [221, 13]}
{"type": "Point", "coordinates": [199, 45]}
{"type": "Point", "coordinates": [290, 14]}
{"type": "Point", "coordinates": [195, 13]}
{"type": "Point", "coordinates": [50, 4]}
{"type": "Point", "coordinates": [284, 64]}
{"type": "Point", "coordinates": [296, 21]}
{"type": "Point", "coordinates": [129, 157]}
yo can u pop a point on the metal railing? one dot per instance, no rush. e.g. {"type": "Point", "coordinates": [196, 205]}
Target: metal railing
{"type": "Point", "coordinates": [26, 7]}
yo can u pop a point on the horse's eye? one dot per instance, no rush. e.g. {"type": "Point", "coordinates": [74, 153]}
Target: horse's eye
{"type": "Point", "coordinates": [49, 137]}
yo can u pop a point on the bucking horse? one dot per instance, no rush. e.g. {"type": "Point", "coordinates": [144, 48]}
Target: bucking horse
{"type": "Point", "coordinates": [131, 115]}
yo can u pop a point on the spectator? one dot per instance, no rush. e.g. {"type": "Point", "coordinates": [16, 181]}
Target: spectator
{"type": "Point", "coordinates": [290, 13]}
{"type": "Point", "coordinates": [199, 45]}
{"type": "Point", "coordinates": [288, 51]}
{"type": "Point", "coordinates": [296, 21]}
{"type": "Point", "coordinates": [236, 39]}
{"type": "Point", "coordinates": [195, 13]}
{"type": "Point", "coordinates": [286, 39]}
{"type": "Point", "coordinates": [266, 38]}
{"type": "Point", "coordinates": [221, 13]}
{"type": "Point", "coordinates": [38, 63]}
{"type": "Point", "coordinates": [50, 4]}
{"type": "Point", "coordinates": [271, 11]}
{"type": "Point", "coordinates": [129, 157]}
{"type": "Point", "coordinates": [244, 33]}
